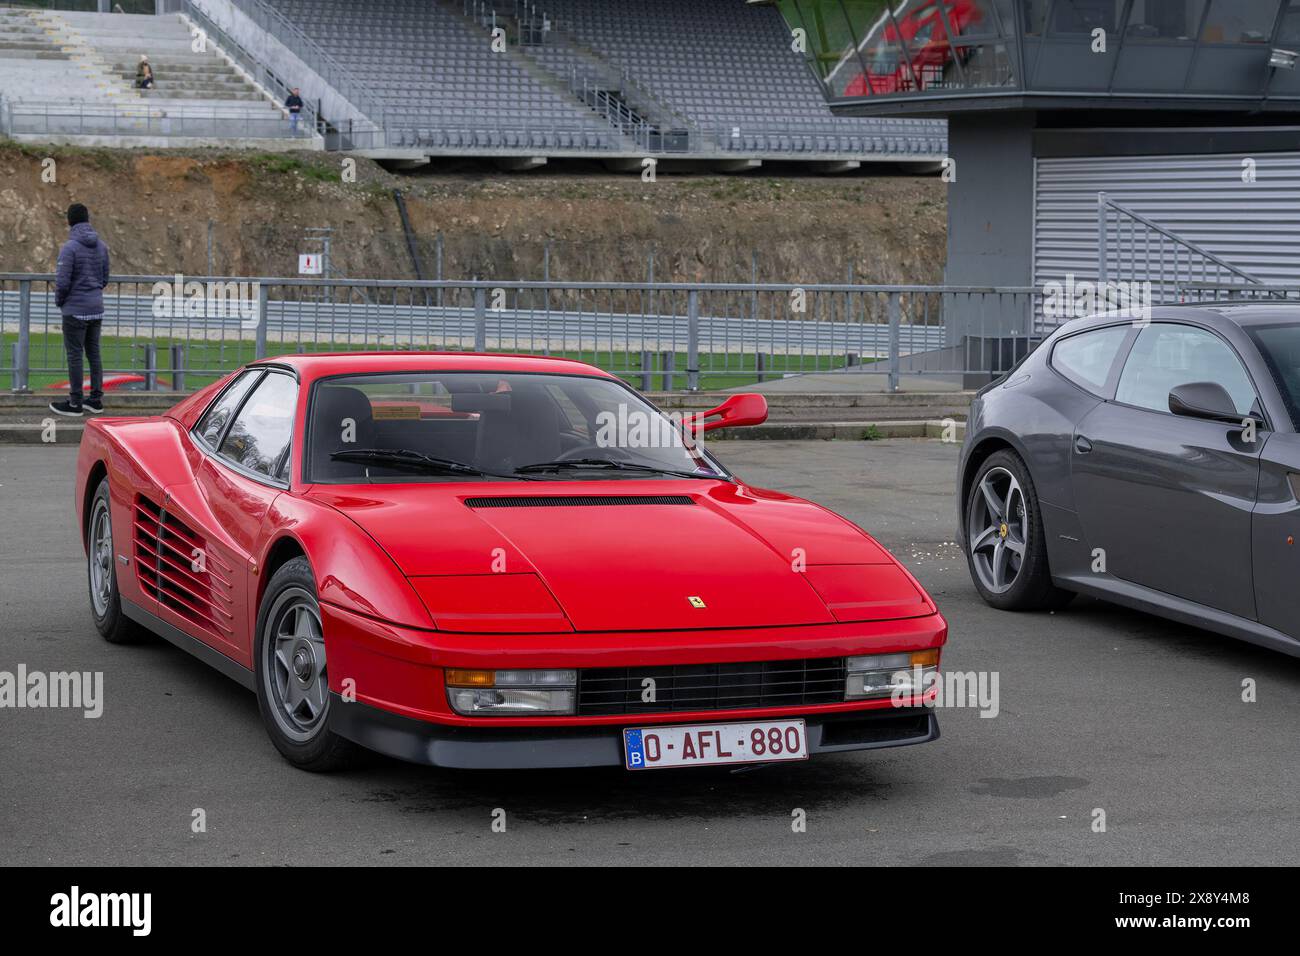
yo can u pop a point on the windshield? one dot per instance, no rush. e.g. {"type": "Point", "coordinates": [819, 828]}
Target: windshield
{"type": "Point", "coordinates": [1280, 346]}
{"type": "Point", "coordinates": [489, 426]}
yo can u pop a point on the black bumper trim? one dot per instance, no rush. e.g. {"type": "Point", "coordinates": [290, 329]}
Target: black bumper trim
{"type": "Point", "coordinates": [520, 748]}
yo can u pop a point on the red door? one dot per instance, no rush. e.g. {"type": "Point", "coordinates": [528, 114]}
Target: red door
{"type": "Point", "coordinates": [215, 522]}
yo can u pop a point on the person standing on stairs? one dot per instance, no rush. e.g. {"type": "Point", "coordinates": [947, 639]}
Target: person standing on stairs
{"type": "Point", "coordinates": [294, 105]}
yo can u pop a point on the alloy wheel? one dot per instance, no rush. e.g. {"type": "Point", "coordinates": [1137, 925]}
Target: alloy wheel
{"type": "Point", "coordinates": [295, 671]}
{"type": "Point", "coordinates": [101, 557]}
{"type": "Point", "coordinates": [997, 530]}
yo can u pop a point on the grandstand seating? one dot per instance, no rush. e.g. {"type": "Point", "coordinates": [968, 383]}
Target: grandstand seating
{"type": "Point", "coordinates": [708, 78]}
{"type": "Point", "coordinates": [721, 69]}
{"type": "Point", "coordinates": [441, 84]}
{"type": "Point", "coordinates": [33, 62]}
{"type": "Point", "coordinates": [75, 73]}
{"type": "Point", "coordinates": [728, 66]}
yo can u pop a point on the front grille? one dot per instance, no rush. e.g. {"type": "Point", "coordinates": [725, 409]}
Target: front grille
{"type": "Point", "coordinates": [575, 501]}
{"type": "Point", "coordinates": [681, 687]}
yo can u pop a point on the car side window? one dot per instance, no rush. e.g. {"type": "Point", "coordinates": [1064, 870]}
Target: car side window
{"type": "Point", "coordinates": [1166, 356]}
{"type": "Point", "coordinates": [259, 437]}
{"type": "Point", "coordinates": [218, 414]}
{"type": "Point", "coordinates": [1085, 359]}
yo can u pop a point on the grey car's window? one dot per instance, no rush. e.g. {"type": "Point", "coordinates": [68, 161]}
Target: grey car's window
{"type": "Point", "coordinates": [261, 432]}
{"type": "Point", "coordinates": [1166, 356]}
{"type": "Point", "coordinates": [1086, 359]}
{"type": "Point", "coordinates": [214, 420]}
{"type": "Point", "coordinates": [1280, 346]}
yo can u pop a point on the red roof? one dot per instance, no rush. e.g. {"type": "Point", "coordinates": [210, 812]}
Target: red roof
{"type": "Point", "coordinates": [318, 364]}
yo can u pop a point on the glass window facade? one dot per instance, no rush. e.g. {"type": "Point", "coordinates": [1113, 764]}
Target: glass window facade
{"type": "Point", "coordinates": [865, 50]}
{"type": "Point", "coordinates": [1240, 21]}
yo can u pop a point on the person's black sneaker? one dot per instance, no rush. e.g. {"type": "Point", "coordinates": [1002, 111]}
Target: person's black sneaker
{"type": "Point", "coordinates": [66, 408]}
{"type": "Point", "coordinates": [92, 406]}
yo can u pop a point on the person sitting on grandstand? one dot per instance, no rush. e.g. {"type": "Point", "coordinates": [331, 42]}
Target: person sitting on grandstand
{"type": "Point", "coordinates": [294, 105]}
{"type": "Point", "coordinates": [144, 73]}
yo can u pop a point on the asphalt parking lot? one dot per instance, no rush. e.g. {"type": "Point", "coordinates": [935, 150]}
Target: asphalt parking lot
{"type": "Point", "coordinates": [1099, 708]}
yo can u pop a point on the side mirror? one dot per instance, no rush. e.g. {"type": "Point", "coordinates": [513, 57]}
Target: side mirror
{"type": "Point", "coordinates": [1208, 400]}
{"type": "Point", "coordinates": [749, 408]}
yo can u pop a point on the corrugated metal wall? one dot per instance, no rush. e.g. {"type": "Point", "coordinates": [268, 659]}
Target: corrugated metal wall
{"type": "Point", "coordinates": [1255, 226]}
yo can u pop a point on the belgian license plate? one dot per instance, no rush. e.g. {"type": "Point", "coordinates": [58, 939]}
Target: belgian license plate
{"type": "Point", "coordinates": [702, 745]}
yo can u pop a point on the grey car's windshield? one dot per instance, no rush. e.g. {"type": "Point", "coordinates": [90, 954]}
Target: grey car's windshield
{"type": "Point", "coordinates": [492, 426]}
{"type": "Point", "coordinates": [1280, 346]}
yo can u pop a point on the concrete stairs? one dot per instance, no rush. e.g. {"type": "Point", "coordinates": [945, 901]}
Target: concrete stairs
{"type": "Point", "coordinates": [183, 76]}
{"type": "Point", "coordinates": [42, 57]}
{"type": "Point", "coordinates": [70, 77]}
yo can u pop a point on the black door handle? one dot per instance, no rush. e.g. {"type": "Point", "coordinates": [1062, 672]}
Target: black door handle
{"type": "Point", "coordinates": [1082, 445]}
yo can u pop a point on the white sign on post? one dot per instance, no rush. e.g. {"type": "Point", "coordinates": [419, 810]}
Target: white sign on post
{"type": "Point", "coordinates": [309, 264]}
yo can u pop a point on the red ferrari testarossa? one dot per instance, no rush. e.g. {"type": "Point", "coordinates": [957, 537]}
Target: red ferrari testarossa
{"type": "Point", "coordinates": [497, 561]}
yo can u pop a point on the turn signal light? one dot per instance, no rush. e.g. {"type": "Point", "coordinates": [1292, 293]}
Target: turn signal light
{"type": "Point", "coordinates": [458, 677]}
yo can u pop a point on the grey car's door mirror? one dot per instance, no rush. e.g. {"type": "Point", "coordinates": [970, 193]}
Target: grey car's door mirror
{"type": "Point", "coordinates": [1208, 400]}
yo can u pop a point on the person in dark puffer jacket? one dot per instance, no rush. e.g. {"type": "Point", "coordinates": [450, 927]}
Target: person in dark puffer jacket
{"type": "Point", "coordinates": [79, 293]}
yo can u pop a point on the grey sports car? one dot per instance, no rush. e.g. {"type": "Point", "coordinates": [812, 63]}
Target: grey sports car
{"type": "Point", "coordinates": [1153, 463]}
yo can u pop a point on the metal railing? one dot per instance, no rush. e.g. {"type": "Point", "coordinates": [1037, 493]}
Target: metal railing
{"type": "Point", "coordinates": [1133, 248]}
{"type": "Point", "coordinates": [701, 335]}
{"type": "Point", "coordinates": [48, 117]}
{"type": "Point", "coordinates": [1237, 292]}
{"type": "Point", "coordinates": [610, 106]}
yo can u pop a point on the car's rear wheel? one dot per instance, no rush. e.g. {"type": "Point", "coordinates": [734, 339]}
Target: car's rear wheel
{"type": "Point", "coordinates": [1006, 548]}
{"type": "Point", "coordinates": [101, 574]}
{"type": "Point", "coordinates": [292, 674]}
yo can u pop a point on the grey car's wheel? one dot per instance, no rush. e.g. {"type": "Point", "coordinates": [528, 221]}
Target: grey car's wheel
{"type": "Point", "coordinates": [293, 675]}
{"type": "Point", "coordinates": [1006, 549]}
{"type": "Point", "coordinates": [996, 529]}
{"type": "Point", "coordinates": [101, 574]}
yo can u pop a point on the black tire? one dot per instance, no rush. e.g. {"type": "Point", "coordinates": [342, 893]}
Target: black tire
{"type": "Point", "coordinates": [1032, 588]}
{"type": "Point", "coordinates": [308, 744]}
{"type": "Point", "coordinates": [106, 602]}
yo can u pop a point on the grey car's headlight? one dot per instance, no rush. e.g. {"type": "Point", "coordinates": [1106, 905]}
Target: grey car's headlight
{"type": "Point", "coordinates": [883, 675]}
{"type": "Point", "coordinates": [524, 692]}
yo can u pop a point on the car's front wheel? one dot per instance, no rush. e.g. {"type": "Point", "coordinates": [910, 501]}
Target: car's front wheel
{"type": "Point", "coordinates": [1006, 548]}
{"type": "Point", "coordinates": [292, 675]}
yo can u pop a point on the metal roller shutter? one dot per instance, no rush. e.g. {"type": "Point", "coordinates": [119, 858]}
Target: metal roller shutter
{"type": "Point", "coordinates": [1255, 226]}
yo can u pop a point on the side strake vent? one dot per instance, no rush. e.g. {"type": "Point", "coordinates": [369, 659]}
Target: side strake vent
{"type": "Point", "coordinates": [174, 566]}
{"type": "Point", "coordinates": [575, 501]}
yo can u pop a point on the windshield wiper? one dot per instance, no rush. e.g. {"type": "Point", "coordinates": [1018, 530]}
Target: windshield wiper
{"type": "Point", "coordinates": [417, 461]}
{"type": "Point", "coordinates": [609, 464]}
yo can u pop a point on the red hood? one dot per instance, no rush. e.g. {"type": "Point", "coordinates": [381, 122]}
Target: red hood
{"type": "Point", "coordinates": [628, 566]}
